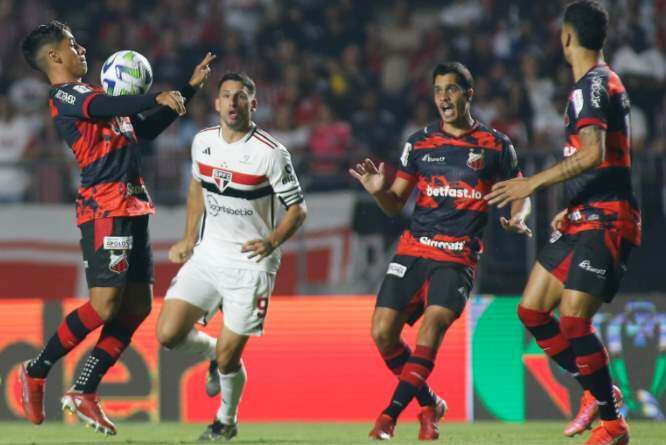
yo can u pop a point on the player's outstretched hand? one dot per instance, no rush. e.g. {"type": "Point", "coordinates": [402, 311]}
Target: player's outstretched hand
{"type": "Point", "coordinates": [516, 224]}
{"type": "Point", "coordinates": [201, 71]}
{"type": "Point", "coordinates": [558, 221]}
{"type": "Point", "coordinates": [259, 248]}
{"type": "Point", "coordinates": [181, 251]}
{"type": "Point", "coordinates": [506, 192]}
{"type": "Point", "coordinates": [371, 177]}
{"type": "Point", "coordinates": [173, 100]}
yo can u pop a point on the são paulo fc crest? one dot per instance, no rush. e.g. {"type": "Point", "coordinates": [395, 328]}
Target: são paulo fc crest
{"type": "Point", "coordinates": [118, 263]}
{"type": "Point", "coordinates": [475, 160]}
{"type": "Point", "coordinates": [222, 178]}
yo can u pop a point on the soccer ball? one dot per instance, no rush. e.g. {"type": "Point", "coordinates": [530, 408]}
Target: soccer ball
{"type": "Point", "coordinates": [126, 72]}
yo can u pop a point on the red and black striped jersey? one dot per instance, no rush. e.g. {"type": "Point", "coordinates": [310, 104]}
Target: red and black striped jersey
{"type": "Point", "coordinates": [452, 175]}
{"type": "Point", "coordinates": [105, 149]}
{"type": "Point", "coordinates": [601, 198]}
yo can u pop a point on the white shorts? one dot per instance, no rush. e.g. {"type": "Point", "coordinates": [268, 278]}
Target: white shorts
{"type": "Point", "coordinates": [241, 294]}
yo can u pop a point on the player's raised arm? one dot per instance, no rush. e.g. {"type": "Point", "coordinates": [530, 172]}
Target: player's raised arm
{"type": "Point", "coordinates": [592, 115]}
{"type": "Point", "coordinates": [149, 125]}
{"type": "Point", "coordinates": [104, 106]}
{"type": "Point", "coordinates": [373, 180]}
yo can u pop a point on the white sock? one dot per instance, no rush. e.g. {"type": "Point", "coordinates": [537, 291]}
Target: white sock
{"type": "Point", "coordinates": [231, 389]}
{"type": "Point", "coordinates": [198, 342]}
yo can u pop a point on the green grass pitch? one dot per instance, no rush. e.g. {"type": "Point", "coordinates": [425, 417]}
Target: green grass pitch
{"type": "Point", "coordinates": [481, 433]}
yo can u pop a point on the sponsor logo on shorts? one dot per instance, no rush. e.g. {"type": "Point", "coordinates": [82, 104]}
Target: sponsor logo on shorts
{"type": "Point", "coordinates": [555, 236]}
{"type": "Point", "coordinates": [587, 265]}
{"type": "Point", "coordinates": [118, 263]}
{"type": "Point", "coordinates": [449, 192]}
{"type": "Point", "coordinates": [455, 246]}
{"type": "Point", "coordinates": [396, 269]}
{"type": "Point", "coordinates": [118, 242]}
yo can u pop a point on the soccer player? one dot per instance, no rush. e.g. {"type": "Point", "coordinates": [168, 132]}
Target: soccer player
{"type": "Point", "coordinates": [452, 163]}
{"type": "Point", "coordinates": [583, 264]}
{"type": "Point", "coordinates": [231, 241]}
{"type": "Point", "coordinates": [112, 209]}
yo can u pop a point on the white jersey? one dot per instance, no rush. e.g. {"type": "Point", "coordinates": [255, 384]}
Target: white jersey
{"type": "Point", "coordinates": [242, 183]}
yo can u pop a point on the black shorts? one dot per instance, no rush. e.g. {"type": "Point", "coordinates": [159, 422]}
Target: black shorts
{"type": "Point", "coordinates": [412, 284]}
{"type": "Point", "coordinates": [117, 251]}
{"type": "Point", "coordinates": [593, 261]}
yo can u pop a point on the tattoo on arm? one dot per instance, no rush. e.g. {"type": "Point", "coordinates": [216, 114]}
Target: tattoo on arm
{"type": "Point", "coordinates": [590, 136]}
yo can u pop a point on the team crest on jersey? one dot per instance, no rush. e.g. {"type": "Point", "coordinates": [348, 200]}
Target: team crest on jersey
{"type": "Point", "coordinates": [222, 178]}
{"type": "Point", "coordinates": [475, 160]}
{"type": "Point", "coordinates": [118, 263]}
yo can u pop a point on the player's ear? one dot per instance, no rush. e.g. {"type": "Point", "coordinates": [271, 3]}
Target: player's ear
{"type": "Point", "coordinates": [217, 104]}
{"type": "Point", "coordinates": [253, 105]}
{"type": "Point", "coordinates": [53, 56]}
{"type": "Point", "coordinates": [469, 94]}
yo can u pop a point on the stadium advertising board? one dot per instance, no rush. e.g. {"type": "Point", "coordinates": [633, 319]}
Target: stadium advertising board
{"type": "Point", "coordinates": [317, 351]}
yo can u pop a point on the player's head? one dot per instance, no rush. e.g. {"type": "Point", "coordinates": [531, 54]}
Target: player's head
{"type": "Point", "coordinates": [53, 47]}
{"type": "Point", "coordinates": [453, 88]}
{"type": "Point", "coordinates": [236, 100]}
{"type": "Point", "coordinates": [585, 25]}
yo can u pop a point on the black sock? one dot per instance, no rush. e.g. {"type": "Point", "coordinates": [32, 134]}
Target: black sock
{"type": "Point", "coordinates": [73, 329]}
{"type": "Point", "coordinates": [396, 360]}
{"type": "Point", "coordinates": [403, 394]}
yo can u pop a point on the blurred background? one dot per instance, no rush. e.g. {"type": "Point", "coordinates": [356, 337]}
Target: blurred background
{"type": "Point", "coordinates": [337, 81]}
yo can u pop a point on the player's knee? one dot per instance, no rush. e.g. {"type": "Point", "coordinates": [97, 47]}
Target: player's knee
{"type": "Point", "coordinates": [532, 317]}
{"type": "Point", "coordinates": [383, 338]}
{"type": "Point", "coordinates": [432, 330]}
{"type": "Point", "coordinates": [142, 309]}
{"type": "Point", "coordinates": [167, 336]}
{"type": "Point", "coordinates": [107, 307]}
{"type": "Point", "coordinates": [227, 361]}
{"type": "Point", "coordinates": [573, 327]}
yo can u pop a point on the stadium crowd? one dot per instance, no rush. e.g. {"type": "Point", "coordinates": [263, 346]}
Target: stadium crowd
{"type": "Point", "coordinates": [336, 80]}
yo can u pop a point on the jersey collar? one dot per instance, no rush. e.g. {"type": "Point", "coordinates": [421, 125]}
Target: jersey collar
{"type": "Point", "coordinates": [475, 126]}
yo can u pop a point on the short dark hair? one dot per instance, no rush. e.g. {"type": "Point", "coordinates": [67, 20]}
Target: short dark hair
{"type": "Point", "coordinates": [239, 77]}
{"type": "Point", "coordinates": [590, 22]}
{"type": "Point", "coordinates": [50, 34]}
{"type": "Point", "coordinates": [463, 75]}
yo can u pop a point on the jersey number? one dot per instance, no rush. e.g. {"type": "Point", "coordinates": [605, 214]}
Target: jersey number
{"type": "Point", "coordinates": [262, 306]}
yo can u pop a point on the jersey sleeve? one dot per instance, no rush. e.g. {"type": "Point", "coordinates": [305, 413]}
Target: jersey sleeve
{"type": "Point", "coordinates": [407, 168]}
{"type": "Point", "coordinates": [282, 178]}
{"type": "Point", "coordinates": [195, 170]}
{"type": "Point", "coordinates": [73, 100]}
{"type": "Point", "coordinates": [591, 103]}
{"type": "Point", "coordinates": [508, 167]}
